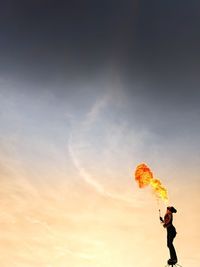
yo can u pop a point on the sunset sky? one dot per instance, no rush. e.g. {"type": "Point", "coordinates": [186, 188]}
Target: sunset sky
{"type": "Point", "coordinates": [89, 90]}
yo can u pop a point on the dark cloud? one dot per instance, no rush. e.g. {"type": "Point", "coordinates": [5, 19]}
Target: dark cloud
{"type": "Point", "coordinates": [59, 36]}
{"type": "Point", "coordinates": [154, 43]}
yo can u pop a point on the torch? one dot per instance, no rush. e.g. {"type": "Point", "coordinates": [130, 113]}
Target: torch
{"type": "Point", "coordinates": [160, 217]}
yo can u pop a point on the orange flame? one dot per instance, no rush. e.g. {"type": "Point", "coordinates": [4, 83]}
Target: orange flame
{"type": "Point", "coordinates": [144, 177]}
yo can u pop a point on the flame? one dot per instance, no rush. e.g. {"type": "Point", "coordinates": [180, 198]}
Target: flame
{"type": "Point", "coordinates": [144, 177]}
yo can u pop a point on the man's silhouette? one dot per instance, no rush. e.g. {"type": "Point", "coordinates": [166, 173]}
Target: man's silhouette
{"type": "Point", "coordinates": [171, 233]}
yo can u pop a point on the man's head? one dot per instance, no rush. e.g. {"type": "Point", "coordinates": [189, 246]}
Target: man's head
{"type": "Point", "coordinates": [171, 209]}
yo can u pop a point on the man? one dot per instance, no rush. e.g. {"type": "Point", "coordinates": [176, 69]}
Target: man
{"type": "Point", "coordinates": [171, 233]}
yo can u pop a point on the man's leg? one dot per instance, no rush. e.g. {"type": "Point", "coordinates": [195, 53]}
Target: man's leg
{"type": "Point", "coordinates": [170, 245]}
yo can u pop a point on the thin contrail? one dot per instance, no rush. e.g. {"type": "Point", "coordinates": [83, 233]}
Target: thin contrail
{"type": "Point", "coordinates": [89, 180]}
{"type": "Point", "coordinates": [86, 176]}
{"type": "Point", "coordinates": [91, 117]}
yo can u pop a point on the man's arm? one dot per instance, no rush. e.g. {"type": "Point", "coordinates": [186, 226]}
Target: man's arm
{"type": "Point", "coordinates": [167, 219]}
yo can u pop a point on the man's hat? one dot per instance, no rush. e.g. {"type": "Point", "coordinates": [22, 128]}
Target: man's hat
{"type": "Point", "coordinates": [172, 209]}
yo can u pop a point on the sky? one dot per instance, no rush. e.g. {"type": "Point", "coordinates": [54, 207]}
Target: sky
{"type": "Point", "coordinates": [89, 90]}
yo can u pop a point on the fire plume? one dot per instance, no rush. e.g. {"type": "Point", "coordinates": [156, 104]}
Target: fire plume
{"type": "Point", "coordinates": [144, 177]}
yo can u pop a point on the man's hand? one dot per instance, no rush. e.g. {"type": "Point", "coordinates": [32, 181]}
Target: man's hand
{"type": "Point", "coordinates": [161, 219]}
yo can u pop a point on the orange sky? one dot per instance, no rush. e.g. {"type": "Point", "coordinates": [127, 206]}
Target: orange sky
{"type": "Point", "coordinates": [70, 222]}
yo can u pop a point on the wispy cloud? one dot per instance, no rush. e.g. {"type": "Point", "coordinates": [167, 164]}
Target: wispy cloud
{"type": "Point", "coordinates": [60, 250]}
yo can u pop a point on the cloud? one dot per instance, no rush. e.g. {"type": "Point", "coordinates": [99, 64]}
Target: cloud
{"type": "Point", "coordinates": [92, 115]}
